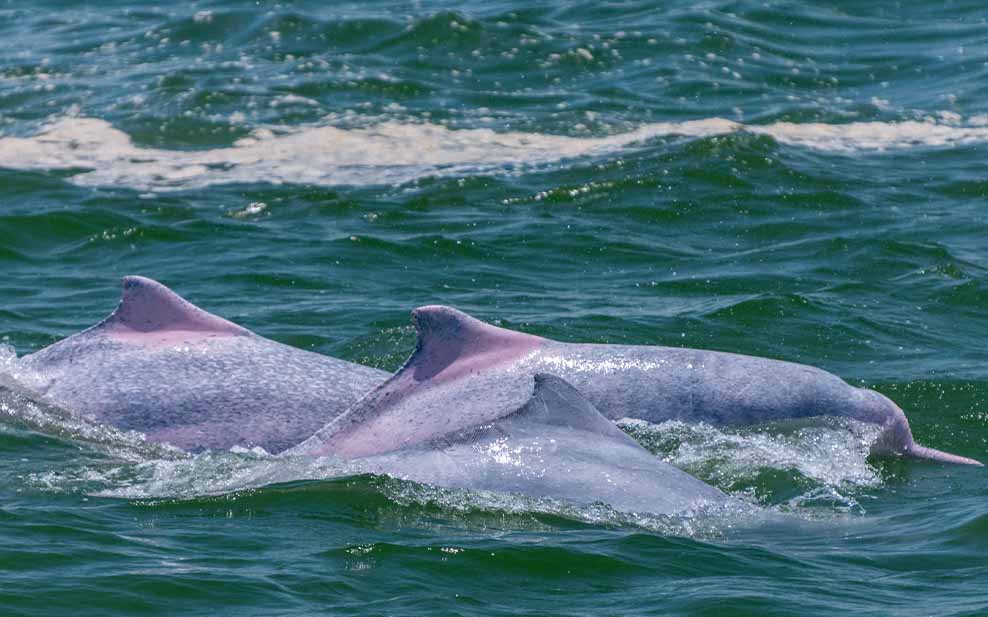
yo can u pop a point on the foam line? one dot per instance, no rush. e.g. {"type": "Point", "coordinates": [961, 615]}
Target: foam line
{"type": "Point", "coordinates": [394, 153]}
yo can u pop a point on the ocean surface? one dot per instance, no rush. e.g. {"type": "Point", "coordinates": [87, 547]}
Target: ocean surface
{"type": "Point", "coordinates": [803, 181]}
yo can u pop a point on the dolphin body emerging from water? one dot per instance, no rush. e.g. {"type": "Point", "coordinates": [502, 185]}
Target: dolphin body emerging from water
{"type": "Point", "coordinates": [460, 413]}
{"type": "Point", "coordinates": [166, 368]}
{"type": "Point", "coordinates": [556, 445]}
{"type": "Point", "coordinates": [181, 376]}
{"type": "Point", "coordinates": [485, 372]}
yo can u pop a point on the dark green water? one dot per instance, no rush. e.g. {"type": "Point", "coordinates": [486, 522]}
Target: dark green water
{"type": "Point", "coordinates": [313, 172]}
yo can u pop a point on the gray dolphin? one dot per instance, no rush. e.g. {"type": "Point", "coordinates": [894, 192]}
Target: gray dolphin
{"type": "Point", "coordinates": [460, 362]}
{"type": "Point", "coordinates": [555, 445]}
{"type": "Point", "coordinates": [166, 368]}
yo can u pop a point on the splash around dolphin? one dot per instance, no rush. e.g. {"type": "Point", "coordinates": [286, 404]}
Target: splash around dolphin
{"type": "Point", "coordinates": [458, 358]}
{"type": "Point", "coordinates": [166, 368]}
{"type": "Point", "coordinates": [460, 413]}
{"type": "Point", "coordinates": [184, 377]}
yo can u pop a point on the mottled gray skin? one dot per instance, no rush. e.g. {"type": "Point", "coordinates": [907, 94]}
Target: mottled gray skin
{"type": "Point", "coordinates": [722, 389]}
{"type": "Point", "coordinates": [460, 360]}
{"type": "Point", "coordinates": [161, 366]}
{"type": "Point", "coordinates": [556, 445]}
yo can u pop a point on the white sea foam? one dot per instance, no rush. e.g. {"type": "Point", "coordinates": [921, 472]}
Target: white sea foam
{"type": "Point", "coordinates": [394, 153]}
{"type": "Point", "coordinates": [827, 455]}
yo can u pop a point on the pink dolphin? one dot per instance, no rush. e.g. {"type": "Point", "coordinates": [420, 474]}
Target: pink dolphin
{"type": "Point", "coordinates": [182, 376]}
{"type": "Point", "coordinates": [484, 372]}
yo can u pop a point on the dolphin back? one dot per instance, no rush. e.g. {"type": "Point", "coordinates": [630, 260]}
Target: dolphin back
{"type": "Point", "coordinates": [458, 357]}
{"type": "Point", "coordinates": [162, 366]}
{"type": "Point", "coordinates": [558, 445]}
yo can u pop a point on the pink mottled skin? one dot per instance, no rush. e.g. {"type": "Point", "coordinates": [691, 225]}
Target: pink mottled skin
{"type": "Point", "coordinates": [444, 354]}
{"type": "Point", "coordinates": [466, 373]}
{"type": "Point", "coordinates": [450, 350]}
{"type": "Point", "coordinates": [151, 315]}
{"type": "Point", "coordinates": [170, 370]}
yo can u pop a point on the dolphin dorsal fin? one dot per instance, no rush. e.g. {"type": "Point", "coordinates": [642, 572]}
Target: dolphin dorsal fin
{"type": "Point", "coordinates": [447, 336]}
{"type": "Point", "coordinates": [555, 402]}
{"type": "Point", "coordinates": [147, 306]}
{"type": "Point", "coordinates": [453, 352]}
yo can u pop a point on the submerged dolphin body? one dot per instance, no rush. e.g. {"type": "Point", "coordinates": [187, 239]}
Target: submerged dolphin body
{"type": "Point", "coordinates": [459, 359]}
{"type": "Point", "coordinates": [166, 368]}
{"type": "Point", "coordinates": [555, 445]}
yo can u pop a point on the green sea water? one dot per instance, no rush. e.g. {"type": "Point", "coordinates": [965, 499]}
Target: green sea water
{"type": "Point", "coordinates": [803, 181]}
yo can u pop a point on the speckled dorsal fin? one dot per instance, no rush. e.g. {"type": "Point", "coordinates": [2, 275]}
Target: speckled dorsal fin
{"type": "Point", "coordinates": [447, 336]}
{"type": "Point", "coordinates": [433, 393]}
{"type": "Point", "coordinates": [147, 306]}
{"type": "Point", "coordinates": [555, 402]}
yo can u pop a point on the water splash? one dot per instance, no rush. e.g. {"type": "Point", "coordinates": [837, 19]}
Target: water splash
{"type": "Point", "coordinates": [22, 410]}
{"type": "Point", "coordinates": [820, 463]}
{"type": "Point", "coordinates": [821, 466]}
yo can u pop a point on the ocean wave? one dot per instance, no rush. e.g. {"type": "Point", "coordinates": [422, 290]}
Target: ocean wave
{"type": "Point", "coordinates": [395, 153]}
